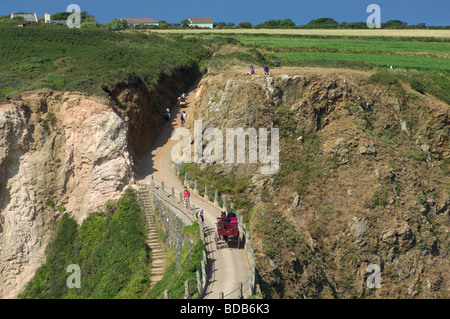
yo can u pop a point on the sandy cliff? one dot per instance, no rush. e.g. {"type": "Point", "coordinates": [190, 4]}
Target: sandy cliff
{"type": "Point", "coordinates": [68, 148]}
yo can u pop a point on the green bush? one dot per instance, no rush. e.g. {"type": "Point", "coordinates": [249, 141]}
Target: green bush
{"type": "Point", "coordinates": [110, 249]}
{"type": "Point", "coordinates": [386, 78]}
{"type": "Point", "coordinates": [418, 86]}
{"type": "Point", "coordinates": [50, 203]}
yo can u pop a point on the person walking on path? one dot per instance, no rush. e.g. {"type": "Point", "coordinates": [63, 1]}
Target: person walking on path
{"type": "Point", "coordinates": [167, 117]}
{"type": "Point", "coordinates": [200, 215]}
{"type": "Point", "coordinates": [183, 116]}
{"type": "Point", "coordinates": [186, 196]}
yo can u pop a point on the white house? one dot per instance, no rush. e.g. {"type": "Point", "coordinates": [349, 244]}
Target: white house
{"type": "Point", "coordinates": [30, 17]}
{"type": "Point", "coordinates": [138, 21]}
{"type": "Point", "coordinates": [201, 22]}
{"type": "Point", "coordinates": [47, 17]}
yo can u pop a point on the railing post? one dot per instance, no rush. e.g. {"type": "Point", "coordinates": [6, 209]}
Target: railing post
{"type": "Point", "coordinates": [202, 234]}
{"type": "Point", "coordinates": [186, 290]}
{"type": "Point", "coordinates": [224, 203]}
{"type": "Point", "coordinates": [216, 198]}
{"type": "Point", "coordinates": [253, 277]}
{"type": "Point", "coordinates": [185, 179]}
{"type": "Point", "coordinates": [221, 295]}
{"type": "Point", "coordinates": [196, 187]}
{"type": "Point", "coordinates": [166, 294]}
{"type": "Point", "coordinates": [240, 291]}
{"type": "Point", "coordinates": [152, 182]}
{"type": "Point", "coordinates": [206, 193]}
{"type": "Point", "coordinates": [203, 272]}
{"type": "Point", "coordinates": [199, 283]}
{"type": "Point", "coordinates": [162, 185]}
{"type": "Point", "coordinates": [173, 192]}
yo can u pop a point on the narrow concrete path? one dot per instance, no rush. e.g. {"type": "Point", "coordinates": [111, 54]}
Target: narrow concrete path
{"type": "Point", "coordinates": [227, 266]}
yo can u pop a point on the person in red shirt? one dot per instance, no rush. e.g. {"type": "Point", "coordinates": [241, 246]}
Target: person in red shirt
{"type": "Point", "coordinates": [186, 196]}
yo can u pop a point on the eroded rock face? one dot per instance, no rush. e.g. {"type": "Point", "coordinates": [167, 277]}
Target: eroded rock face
{"type": "Point", "coordinates": [372, 193]}
{"type": "Point", "coordinates": [67, 148]}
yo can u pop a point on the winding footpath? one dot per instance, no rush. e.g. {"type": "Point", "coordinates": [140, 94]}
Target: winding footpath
{"type": "Point", "coordinates": [227, 266]}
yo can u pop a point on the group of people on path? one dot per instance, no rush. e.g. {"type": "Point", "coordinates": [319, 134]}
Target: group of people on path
{"type": "Point", "coordinates": [231, 216]}
{"type": "Point", "coordinates": [183, 115]}
{"type": "Point", "coordinates": [186, 193]}
{"type": "Point", "coordinates": [251, 70]}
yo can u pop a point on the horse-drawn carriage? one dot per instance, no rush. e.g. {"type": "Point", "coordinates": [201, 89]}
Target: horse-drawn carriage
{"type": "Point", "coordinates": [227, 228]}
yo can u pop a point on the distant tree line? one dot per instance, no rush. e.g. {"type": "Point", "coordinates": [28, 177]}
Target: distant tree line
{"type": "Point", "coordinates": [88, 20]}
{"type": "Point", "coordinates": [325, 23]}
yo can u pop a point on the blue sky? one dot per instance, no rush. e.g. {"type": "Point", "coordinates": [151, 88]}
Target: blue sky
{"type": "Point", "coordinates": [432, 12]}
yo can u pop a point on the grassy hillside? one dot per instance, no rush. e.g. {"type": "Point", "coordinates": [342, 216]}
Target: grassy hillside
{"type": "Point", "coordinates": [110, 249]}
{"type": "Point", "coordinates": [422, 62]}
{"type": "Point", "coordinates": [60, 58]}
{"type": "Point", "coordinates": [423, 54]}
{"type": "Point", "coordinates": [182, 267]}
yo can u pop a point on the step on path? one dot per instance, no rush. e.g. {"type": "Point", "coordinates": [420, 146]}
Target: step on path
{"type": "Point", "coordinates": [153, 241]}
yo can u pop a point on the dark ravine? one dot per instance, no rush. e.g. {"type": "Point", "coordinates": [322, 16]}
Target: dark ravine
{"type": "Point", "coordinates": [143, 108]}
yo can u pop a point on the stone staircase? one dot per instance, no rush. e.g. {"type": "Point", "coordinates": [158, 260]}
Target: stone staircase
{"type": "Point", "coordinates": [153, 240]}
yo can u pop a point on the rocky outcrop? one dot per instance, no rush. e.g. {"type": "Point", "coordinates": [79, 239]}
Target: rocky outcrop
{"type": "Point", "coordinates": [363, 180]}
{"type": "Point", "coordinates": [57, 152]}
{"type": "Point", "coordinates": [72, 152]}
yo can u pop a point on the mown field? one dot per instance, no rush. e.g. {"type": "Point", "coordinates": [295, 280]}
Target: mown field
{"type": "Point", "coordinates": [321, 32]}
{"type": "Point", "coordinates": [419, 57]}
{"type": "Point", "coordinates": [422, 54]}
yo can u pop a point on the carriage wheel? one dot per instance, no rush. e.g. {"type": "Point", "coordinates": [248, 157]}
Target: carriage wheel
{"type": "Point", "coordinates": [238, 241]}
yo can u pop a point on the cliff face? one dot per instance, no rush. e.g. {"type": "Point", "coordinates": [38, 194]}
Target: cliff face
{"type": "Point", "coordinates": [67, 148]}
{"type": "Point", "coordinates": [71, 152]}
{"type": "Point", "coordinates": [363, 179]}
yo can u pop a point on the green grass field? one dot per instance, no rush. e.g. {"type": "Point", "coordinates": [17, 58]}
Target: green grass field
{"type": "Point", "coordinates": [80, 59]}
{"type": "Point", "coordinates": [381, 45]}
{"type": "Point", "coordinates": [382, 60]}
{"type": "Point", "coordinates": [424, 60]}
{"type": "Point", "coordinates": [421, 54]}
